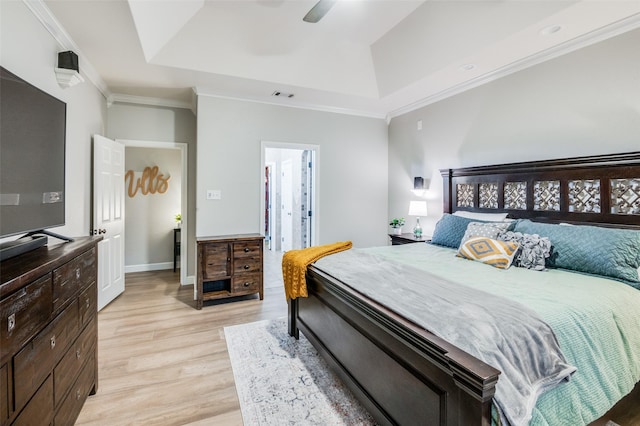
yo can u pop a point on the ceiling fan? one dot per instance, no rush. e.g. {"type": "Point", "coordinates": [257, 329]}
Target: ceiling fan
{"type": "Point", "coordinates": [318, 11]}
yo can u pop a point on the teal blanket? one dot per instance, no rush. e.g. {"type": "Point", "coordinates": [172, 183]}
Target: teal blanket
{"type": "Point", "coordinates": [596, 322]}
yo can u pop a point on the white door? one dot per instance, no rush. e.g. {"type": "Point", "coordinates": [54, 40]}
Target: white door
{"type": "Point", "coordinates": [108, 216]}
{"type": "Point", "coordinates": [286, 198]}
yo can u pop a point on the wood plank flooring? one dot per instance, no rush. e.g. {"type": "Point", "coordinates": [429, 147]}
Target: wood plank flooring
{"type": "Point", "coordinates": [162, 362]}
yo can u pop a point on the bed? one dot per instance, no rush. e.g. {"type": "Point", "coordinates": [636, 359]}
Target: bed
{"type": "Point", "coordinates": [404, 374]}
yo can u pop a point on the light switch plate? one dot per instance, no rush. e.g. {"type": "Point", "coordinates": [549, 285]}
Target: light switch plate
{"type": "Point", "coordinates": [214, 194]}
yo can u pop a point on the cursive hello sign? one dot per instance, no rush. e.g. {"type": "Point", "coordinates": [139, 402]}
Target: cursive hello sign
{"type": "Point", "coordinates": [151, 182]}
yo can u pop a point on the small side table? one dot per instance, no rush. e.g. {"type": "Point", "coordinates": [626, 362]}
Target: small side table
{"type": "Point", "coordinates": [408, 238]}
{"type": "Point", "coordinates": [176, 246]}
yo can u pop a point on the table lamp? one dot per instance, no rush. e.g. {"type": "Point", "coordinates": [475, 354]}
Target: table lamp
{"type": "Point", "coordinates": [417, 208]}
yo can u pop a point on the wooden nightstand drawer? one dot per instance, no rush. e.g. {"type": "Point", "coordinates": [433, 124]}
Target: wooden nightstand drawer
{"type": "Point", "coordinates": [247, 249]}
{"type": "Point", "coordinates": [24, 313]}
{"type": "Point", "coordinates": [67, 369]}
{"type": "Point", "coordinates": [72, 404]}
{"type": "Point", "coordinates": [246, 283]}
{"type": "Point", "coordinates": [247, 265]}
{"type": "Point", "coordinates": [87, 304]}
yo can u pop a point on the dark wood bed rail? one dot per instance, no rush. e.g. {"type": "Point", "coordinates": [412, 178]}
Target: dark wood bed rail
{"type": "Point", "coordinates": [601, 190]}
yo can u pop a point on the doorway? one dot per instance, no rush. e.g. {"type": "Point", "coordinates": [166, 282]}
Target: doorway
{"type": "Point", "coordinates": [289, 199]}
{"type": "Point", "coordinates": [157, 226]}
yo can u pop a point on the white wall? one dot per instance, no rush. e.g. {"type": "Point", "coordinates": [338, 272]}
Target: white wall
{"type": "Point", "coordinates": [584, 103]}
{"type": "Point", "coordinates": [161, 124]}
{"type": "Point", "coordinates": [150, 218]}
{"type": "Point", "coordinates": [352, 166]}
{"type": "Point", "coordinates": [29, 51]}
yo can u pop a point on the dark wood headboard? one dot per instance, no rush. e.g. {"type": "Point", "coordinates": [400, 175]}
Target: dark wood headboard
{"type": "Point", "coordinates": [602, 190]}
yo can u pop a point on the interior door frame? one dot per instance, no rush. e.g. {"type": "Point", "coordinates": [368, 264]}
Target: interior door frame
{"type": "Point", "coordinates": [315, 194]}
{"type": "Point", "coordinates": [184, 200]}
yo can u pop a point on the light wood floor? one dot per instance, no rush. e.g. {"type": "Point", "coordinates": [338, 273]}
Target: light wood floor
{"type": "Point", "coordinates": [162, 362]}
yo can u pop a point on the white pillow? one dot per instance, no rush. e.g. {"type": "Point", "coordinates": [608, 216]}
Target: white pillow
{"type": "Point", "coordinates": [489, 217]}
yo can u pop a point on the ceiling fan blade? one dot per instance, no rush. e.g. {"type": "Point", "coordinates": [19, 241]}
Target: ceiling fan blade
{"type": "Point", "coordinates": [318, 11]}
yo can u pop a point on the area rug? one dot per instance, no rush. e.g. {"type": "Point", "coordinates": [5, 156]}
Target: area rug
{"type": "Point", "coordinates": [283, 381]}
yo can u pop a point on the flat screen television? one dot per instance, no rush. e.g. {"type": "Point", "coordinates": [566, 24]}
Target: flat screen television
{"type": "Point", "coordinates": [32, 157]}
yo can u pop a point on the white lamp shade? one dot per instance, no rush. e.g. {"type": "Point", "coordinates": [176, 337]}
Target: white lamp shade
{"type": "Point", "coordinates": [418, 208]}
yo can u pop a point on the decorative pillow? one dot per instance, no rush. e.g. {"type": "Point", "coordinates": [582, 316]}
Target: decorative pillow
{"type": "Point", "coordinates": [449, 230]}
{"type": "Point", "coordinates": [492, 252]}
{"type": "Point", "coordinates": [484, 229]}
{"type": "Point", "coordinates": [534, 249]}
{"type": "Point", "coordinates": [485, 217]}
{"type": "Point", "coordinates": [595, 250]}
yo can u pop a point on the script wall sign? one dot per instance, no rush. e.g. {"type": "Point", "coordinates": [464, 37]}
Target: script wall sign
{"type": "Point", "coordinates": [151, 182]}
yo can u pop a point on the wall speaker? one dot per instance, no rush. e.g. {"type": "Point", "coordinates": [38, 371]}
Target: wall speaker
{"type": "Point", "coordinates": [68, 60]}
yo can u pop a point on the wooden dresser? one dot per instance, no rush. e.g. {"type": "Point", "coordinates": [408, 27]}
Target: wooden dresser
{"type": "Point", "coordinates": [229, 266]}
{"type": "Point", "coordinates": [48, 333]}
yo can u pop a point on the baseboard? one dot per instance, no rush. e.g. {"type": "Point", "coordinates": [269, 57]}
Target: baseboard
{"type": "Point", "coordinates": [191, 279]}
{"type": "Point", "coordinates": [148, 267]}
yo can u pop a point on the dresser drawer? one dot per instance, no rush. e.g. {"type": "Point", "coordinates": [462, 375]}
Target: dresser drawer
{"type": "Point", "coordinates": [39, 411]}
{"type": "Point", "coordinates": [246, 283]}
{"type": "Point", "coordinates": [24, 313]}
{"type": "Point", "coordinates": [72, 404]}
{"type": "Point", "coordinates": [216, 261]}
{"type": "Point", "coordinates": [247, 249]}
{"type": "Point", "coordinates": [249, 264]}
{"type": "Point", "coordinates": [4, 394]}
{"type": "Point", "coordinates": [82, 349]}
{"type": "Point", "coordinates": [88, 304]}
{"type": "Point", "coordinates": [73, 276]}
{"type": "Point", "coordinates": [34, 362]}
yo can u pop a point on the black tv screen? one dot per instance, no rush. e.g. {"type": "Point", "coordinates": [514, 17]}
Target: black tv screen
{"type": "Point", "coordinates": [32, 157]}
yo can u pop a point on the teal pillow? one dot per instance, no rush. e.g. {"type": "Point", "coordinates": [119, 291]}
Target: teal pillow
{"type": "Point", "coordinates": [450, 229]}
{"type": "Point", "coordinates": [610, 252]}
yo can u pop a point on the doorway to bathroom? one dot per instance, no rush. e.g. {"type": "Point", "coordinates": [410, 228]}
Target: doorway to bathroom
{"type": "Point", "coordinates": [289, 195]}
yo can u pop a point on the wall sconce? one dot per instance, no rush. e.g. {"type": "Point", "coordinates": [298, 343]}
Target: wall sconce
{"type": "Point", "coordinates": [418, 187]}
{"type": "Point", "coordinates": [68, 71]}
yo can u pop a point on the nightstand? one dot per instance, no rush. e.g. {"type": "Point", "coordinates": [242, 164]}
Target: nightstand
{"type": "Point", "coordinates": [408, 238]}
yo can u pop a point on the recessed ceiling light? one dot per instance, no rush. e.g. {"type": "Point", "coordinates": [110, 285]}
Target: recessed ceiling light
{"type": "Point", "coordinates": [468, 67]}
{"type": "Point", "coordinates": [551, 29]}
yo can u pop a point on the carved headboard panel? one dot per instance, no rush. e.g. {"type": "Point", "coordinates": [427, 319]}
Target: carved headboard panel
{"type": "Point", "coordinates": [599, 190]}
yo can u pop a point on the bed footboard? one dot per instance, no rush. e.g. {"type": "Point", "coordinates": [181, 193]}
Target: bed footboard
{"type": "Point", "coordinates": [401, 373]}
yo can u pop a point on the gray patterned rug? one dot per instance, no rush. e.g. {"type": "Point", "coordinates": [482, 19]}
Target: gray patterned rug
{"type": "Point", "coordinates": [281, 381]}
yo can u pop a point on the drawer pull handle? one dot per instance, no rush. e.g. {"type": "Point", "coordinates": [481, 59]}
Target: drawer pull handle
{"type": "Point", "coordinates": [53, 342]}
{"type": "Point", "coordinates": [246, 284]}
{"type": "Point", "coordinates": [78, 274]}
{"type": "Point", "coordinates": [247, 266]}
{"type": "Point", "coordinates": [246, 249]}
{"type": "Point", "coordinates": [78, 394]}
{"type": "Point", "coordinates": [78, 353]}
{"type": "Point", "coordinates": [11, 323]}
{"type": "Point", "coordinates": [87, 303]}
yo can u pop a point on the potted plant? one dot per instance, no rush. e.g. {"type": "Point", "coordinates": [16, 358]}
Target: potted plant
{"type": "Point", "coordinates": [396, 225]}
{"type": "Point", "coordinates": [178, 220]}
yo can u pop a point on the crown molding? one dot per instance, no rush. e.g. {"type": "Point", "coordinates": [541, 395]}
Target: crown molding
{"type": "Point", "coordinates": [146, 100]}
{"type": "Point", "coordinates": [593, 37]}
{"type": "Point", "coordinates": [44, 15]}
{"type": "Point", "coordinates": [323, 108]}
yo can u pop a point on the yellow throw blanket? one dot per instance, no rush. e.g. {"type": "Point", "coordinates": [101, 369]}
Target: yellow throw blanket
{"type": "Point", "coordinates": [295, 262]}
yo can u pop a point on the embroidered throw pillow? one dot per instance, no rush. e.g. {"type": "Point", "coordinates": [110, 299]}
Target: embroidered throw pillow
{"type": "Point", "coordinates": [496, 253]}
{"type": "Point", "coordinates": [490, 230]}
{"type": "Point", "coordinates": [534, 249]}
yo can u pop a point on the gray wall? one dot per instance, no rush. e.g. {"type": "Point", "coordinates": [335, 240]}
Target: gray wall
{"type": "Point", "coordinates": [150, 218]}
{"type": "Point", "coordinates": [583, 103]}
{"type": "Point", "coordinates": [352, 167]}
{"type": "Point", "coordinates": [30, 52]}
{"type": "Point", "coordinates": [160, 124]}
